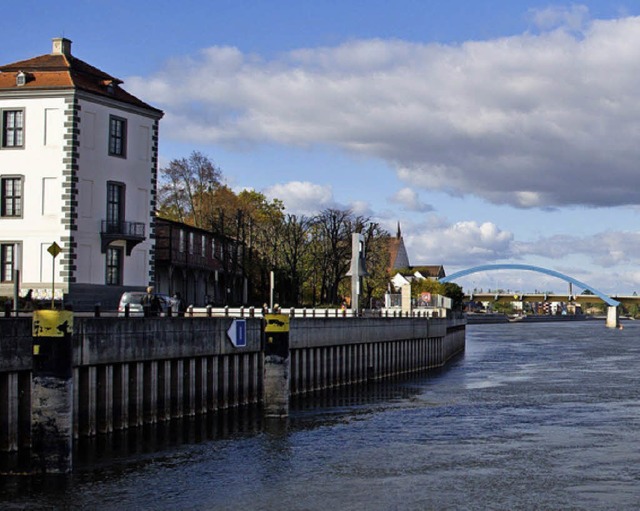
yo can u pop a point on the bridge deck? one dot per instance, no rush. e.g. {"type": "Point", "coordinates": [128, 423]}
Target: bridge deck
{"type": "Point", "coordinates": [539, 297]}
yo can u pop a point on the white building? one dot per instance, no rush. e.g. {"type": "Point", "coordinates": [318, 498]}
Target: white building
{"type": "Point", "coordinates": [78, 167]}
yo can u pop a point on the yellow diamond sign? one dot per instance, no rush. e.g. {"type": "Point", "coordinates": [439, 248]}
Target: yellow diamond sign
{"type": "Point", "coordinates": [54, 249]}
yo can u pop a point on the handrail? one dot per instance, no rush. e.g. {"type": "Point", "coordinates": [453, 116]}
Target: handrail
{"type": "Point", "coordinates": [134, 229]}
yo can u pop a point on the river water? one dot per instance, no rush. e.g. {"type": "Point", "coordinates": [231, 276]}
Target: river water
{"type": "Point", "coordinates": [532, 416]}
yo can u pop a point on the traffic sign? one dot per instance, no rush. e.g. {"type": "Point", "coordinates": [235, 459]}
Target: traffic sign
{"type": "Point", "coordinates": [238, 333]}
{"type": "Point", "coordinates": [54, 249]}
{"type": "Point", "coordinates": [276, 323]}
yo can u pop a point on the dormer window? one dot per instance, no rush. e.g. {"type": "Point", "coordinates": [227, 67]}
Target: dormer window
{"type": "Point", "coordinates": [21, 78]}
{"type": "Point", "coordinates": [110, 87]}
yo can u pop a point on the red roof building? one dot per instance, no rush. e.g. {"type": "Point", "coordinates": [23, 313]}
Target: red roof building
{"type": "Point", "coordinates": [78, 168]}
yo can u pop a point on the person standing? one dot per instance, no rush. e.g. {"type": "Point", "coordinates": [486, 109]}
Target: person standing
{"type": "Point", "coordinates": [177, 305]}
{"type": "Point", "coordinates": [151, 303]}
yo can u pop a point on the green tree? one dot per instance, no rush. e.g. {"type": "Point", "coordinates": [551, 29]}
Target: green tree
{"type": "Point", "coordinates": [504, 307]}
{"type": "Point", "coordinates": [251, 223]}
{"type": "Point", "coordinates": [597, 304]}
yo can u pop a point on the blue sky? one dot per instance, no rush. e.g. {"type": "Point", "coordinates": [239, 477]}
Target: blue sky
{"type": "Point", "coordinates": [493, 131]}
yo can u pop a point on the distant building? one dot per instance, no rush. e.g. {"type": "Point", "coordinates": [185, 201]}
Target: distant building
{"type": "Point", "coordinates": [410, 274]}
{"type": "Point", "coordinates": [398, 257]}
{"type": "Point", "coordinates": [401, 270]}
{"type": "Point", "coordinates": [78, 167]}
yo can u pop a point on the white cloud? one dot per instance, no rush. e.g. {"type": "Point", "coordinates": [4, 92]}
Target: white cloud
{"type": "Point", "coordinates": [306, 198]}
{"type": "Point", "coordinates": [536, 120]}
{"type": "Point", "coordinates": [360, 208]}
{"type": "Point", "coordinates": [409, 199]}
{"type": "Point", "coordinates": [302, 198]}
{"type": "Point", "coordinates": [572, 18]}
{"type": "Point", "coordinates": [606, 249]}
{"type": "Point", "coordinates": [459, 244]}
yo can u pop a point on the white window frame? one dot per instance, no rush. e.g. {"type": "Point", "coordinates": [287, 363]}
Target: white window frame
{"type": "Point", "coordinates": [119, 267]}
{"type": "Point", "coordinates": [4, 143]}
{"type": "Point", "coordinates": [14, 263]}
{"type": "Point", "coordinates": [3, 196]}
{"type": "Point", "coordinates": [120, 150]}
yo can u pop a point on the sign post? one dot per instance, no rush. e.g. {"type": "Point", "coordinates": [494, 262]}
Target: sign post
{"type": "Point", "coordinates": [272, 285]}
{"type": "Point", "coordinates": [54, 249]}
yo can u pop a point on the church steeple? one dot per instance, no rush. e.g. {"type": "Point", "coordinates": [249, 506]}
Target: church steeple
{"type": "Point", "coordinates": [399, 234]}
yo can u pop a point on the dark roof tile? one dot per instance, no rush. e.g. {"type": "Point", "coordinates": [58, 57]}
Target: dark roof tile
{"type": "Point", "coordinates": [59, 71]}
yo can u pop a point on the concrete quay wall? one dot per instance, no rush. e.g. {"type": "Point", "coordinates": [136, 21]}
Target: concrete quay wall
{"type": "Point", "coordinates": [127, 372]}
{"type": "Point", "coordinates": [328, 353]}
{"type": "Point", "coordinates": [130, 372]}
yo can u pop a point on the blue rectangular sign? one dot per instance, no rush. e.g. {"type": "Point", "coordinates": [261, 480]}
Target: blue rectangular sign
{"type": "Point", "coordinates": [241, 333]}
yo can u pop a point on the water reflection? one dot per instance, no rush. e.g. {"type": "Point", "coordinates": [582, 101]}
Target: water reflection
{"type": "Point", "coordinates": [138, 443]}
{"type": "Point", "coordinates": [136, 446]}
{"type": "Point", "coordinates": [367, 396]}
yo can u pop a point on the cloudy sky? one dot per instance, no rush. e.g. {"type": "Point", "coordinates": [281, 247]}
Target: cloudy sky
{"type": "Point", "coordinates": [494, 131]}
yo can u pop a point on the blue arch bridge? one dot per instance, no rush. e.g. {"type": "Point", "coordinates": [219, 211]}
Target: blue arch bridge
{"type": "Point", "coordinates": [613, 304]}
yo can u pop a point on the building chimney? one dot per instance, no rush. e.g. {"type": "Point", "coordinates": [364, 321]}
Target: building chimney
{"type": "Point", "coordinates": [61, 46]}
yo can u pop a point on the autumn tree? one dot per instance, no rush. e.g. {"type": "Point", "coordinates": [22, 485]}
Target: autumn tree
{"type": "Point", "coordinates": [250, 222]}
{"type": "Point", "coordinates": [310, 255]}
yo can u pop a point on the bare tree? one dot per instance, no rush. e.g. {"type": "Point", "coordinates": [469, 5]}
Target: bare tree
{"type": "Point", "coordinates": [332, 237]}
{"type": "Point", "coordinates": [186, 187]}
{"type": "Point", "coordinates": [294, 247]}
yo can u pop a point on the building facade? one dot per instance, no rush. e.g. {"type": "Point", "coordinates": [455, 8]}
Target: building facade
{"type": "Point", "coordinates": [198, 264]}
{"type": "Point", "coordinates": [78, 171]}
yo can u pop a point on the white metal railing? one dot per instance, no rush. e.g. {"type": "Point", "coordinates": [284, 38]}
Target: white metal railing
{"type": "Point", "coordinates": [257, 312]}
{"type": "Point", "coordinates": [426, 305]}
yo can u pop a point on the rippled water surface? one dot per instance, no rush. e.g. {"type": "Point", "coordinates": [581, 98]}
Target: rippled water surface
{"type": "Point", "coordinates": [540, 416]}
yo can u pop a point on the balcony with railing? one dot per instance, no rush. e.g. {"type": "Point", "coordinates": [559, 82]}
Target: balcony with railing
{"type": "Point", "coordinates": [131, 233]}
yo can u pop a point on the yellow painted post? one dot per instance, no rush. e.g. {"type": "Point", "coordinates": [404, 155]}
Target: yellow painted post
{"type": "Point", "coordinates": [52, 392]}
{"type": "Point", "coordinates": [277, 363]}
